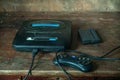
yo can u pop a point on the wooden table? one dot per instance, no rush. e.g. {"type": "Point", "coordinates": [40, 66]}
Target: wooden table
{"type": "Point", "coordinates": [13, 62]}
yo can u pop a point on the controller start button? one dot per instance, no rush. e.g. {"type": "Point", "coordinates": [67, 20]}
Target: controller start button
{"type": "Point", "coordinates": [73, 56]}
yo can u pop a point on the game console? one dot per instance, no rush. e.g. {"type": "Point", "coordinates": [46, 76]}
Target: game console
{"type": "Point", "coordinates": [45, 35]}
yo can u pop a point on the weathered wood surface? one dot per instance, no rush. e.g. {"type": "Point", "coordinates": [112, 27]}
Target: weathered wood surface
{"type": "Point", "coordinates": [60, 5]}
{"type": "Point", "coordinates": [13, 62]}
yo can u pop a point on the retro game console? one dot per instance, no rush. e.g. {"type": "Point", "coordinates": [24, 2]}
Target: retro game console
{"type": "Point", "coordinates": [45, 35]}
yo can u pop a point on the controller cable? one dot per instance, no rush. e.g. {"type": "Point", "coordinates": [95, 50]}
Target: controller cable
{"type": "Point", "coordinates": [110, 51]}
{"type": "Point", "coordinates": [34, 53]}
{"type": "Point", "coordinates": [61, 67]}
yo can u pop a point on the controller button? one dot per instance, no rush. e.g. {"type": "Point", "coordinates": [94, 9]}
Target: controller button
{"type": "Point", "coordinates": [80, 58]}
{"type": "Point", "coordinates": [84, 58]}
{"type": "Point", "coordinates": [73, 56]}
{"type": "Point", "coordinates": [88, 59]}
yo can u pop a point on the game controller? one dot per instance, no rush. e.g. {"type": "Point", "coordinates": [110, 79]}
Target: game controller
{"type": "Point", "coordinates": [81, 63]}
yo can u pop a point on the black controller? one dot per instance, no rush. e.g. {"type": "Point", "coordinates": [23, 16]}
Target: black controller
{"type": "Point", "coordinates": [82, 63]}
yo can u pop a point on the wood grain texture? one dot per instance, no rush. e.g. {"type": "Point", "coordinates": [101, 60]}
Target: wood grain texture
{"type": "Point", "coordinates": [11, 77]}
{"type": "Point", "coordinates": [60, 5]}
{"type": "Point", "coordinates": [13, 62]}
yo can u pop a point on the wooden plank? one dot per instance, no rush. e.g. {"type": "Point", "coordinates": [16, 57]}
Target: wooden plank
{"type": "Point", "coordinates": [60, 5]}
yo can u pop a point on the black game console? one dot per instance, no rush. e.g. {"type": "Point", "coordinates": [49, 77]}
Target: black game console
{"type": "Point", "coordinates": [45, 35]}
